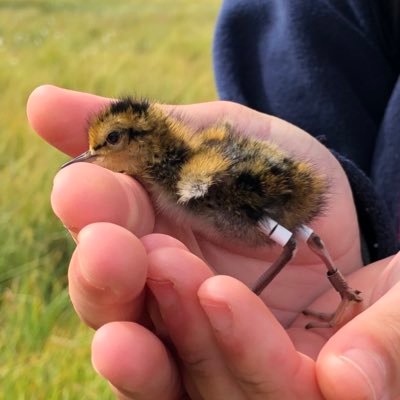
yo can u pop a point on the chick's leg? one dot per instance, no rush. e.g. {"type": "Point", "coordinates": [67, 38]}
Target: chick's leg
{"type": "Point", "coordinates": [265, 279]}
{"type": "Point", "coordinates": [284, 238]}
{"type": "Point", "coordinates": [337, 280]}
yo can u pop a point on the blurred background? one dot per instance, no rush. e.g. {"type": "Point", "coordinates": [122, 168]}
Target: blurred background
{"type": "Point", "coordinates": [155, 48]}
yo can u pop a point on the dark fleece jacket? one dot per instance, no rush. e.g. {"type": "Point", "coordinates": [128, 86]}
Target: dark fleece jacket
{"type": "Point", "coordinates": [332, 68]}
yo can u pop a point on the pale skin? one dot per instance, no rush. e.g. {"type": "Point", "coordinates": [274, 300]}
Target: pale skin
{"type": "Point", "coordinates": [228, 342]}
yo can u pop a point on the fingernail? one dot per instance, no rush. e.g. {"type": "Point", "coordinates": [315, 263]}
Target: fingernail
{"type": "Point", "coordinates": [85, 276]}
{"type": "Point", "coordinates": [73, 232]}
{"type": "Point", "coordinates": [170, 304]}
{"type": "Point", "coordinates": [371, 369]}
{"type": "Point", "coordinates": [165, 293]}
{"type": "Point", "coordinates": [219, 315]}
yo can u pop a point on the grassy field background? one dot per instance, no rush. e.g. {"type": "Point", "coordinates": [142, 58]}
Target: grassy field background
{"type": "Point", "coordinates": [156, 48]}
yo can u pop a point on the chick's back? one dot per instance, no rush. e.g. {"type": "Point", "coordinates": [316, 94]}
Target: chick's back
{"type": "Point", "coordinates": [235, 181]}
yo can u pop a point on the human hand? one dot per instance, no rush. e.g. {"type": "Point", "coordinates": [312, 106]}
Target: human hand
{"type": "Point", "coordinates": [84, 194]}
{"type": "Point", "coordinates": [110, 265]}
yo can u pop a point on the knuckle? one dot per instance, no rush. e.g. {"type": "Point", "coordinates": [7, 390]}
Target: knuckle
{"type": "Point", "coordinates": [256, 385]}
{"type": "Point", "coordinates": [195, 360]}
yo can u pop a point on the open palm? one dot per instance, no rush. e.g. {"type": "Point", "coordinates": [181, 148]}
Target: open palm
{"type": "Point", "coordinates": [111, 265]}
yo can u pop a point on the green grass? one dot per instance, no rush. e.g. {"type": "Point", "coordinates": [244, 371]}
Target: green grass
{"type": "Point", "coordinates": [157, 48]}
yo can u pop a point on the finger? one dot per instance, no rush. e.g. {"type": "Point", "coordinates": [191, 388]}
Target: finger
{"type": "Point", "coordinates": [156, 241]}
{"type": "Point", "coordinates": [135, 362]}
{"type": "Point", "coordinates": [257, 350]}
{"type": "Point", "coordinates": [152, 242]}
{"type": "Point", "coordinates": [107, 274]}
{"type": "Point", "coordinates": [60, 116]}
{"type": "Point", "coordinates": [85, 193]}
{"type": "Point", "coordinates": [174, 278]}
{"type": "Point", "coordinates": [362, 360]}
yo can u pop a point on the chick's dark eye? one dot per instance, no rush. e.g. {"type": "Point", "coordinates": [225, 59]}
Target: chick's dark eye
{"type": "Point", "coordinates": [113, 137]}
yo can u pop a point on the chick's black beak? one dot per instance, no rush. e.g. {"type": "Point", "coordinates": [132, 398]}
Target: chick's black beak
{"type": "Point", "coordinates": [87, 156]}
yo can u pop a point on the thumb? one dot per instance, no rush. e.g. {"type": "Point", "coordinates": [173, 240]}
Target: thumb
{"type": "Point", "coordinates": [362, 360]}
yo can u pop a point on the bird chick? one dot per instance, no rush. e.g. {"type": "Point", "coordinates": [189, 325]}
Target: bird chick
{"type": "Point", "coordinates": [216, 180]}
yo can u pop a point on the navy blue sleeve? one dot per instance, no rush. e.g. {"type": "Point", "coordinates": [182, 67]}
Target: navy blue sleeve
{"type": "Point", "coordinates": [329, 67]}
{"type": "Point", "coordinates": [378, 234]}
